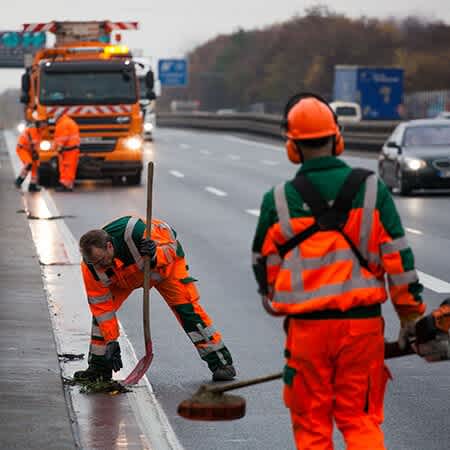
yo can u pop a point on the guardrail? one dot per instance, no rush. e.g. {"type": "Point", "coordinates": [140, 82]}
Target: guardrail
{"type": "Point", "coordinates": [366, 135]}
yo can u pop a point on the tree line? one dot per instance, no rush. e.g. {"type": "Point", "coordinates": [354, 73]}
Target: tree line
{"type": "Point", "coordinates": [268, 65]}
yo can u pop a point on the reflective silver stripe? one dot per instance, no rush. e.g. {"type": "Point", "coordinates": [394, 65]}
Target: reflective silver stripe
{"type": "Point", "coordinates": [104, 279]}
{"type": "Point", "coordinates": [94, 300]}
{"type": "Point", "coordinates": [166, 226]}
{"type": "Point", "coordinates": [105, 317]}
{"type": "Point", "coordinates": [155, 276]}
{"type": "Point", "coordinates": [331, 289]}
{"type": "Point", "coordinates": [130, 243]}
{"type": "Point", "coordinates": [403, 278]}
{"type": "Point", "coordinates": [255, 257]}
{"type": "Point", "coordinates": [374, 258]}
{"type": "Point", "coordinates": [370, 199]}
{"type": "Point", "coordinates": [166, 250]}
{"type": "Point", "coordinates": [98, 350]}
{"type": "Point", "coordinates": [328, 259]}
{"type": "Point", "coordinates": [204, 334]}
{"type": "Point", "coordinates": [274, 259]}
{"type": "Point", "coordinates": [209, 348]}
{"type": "Point", "coordinates": [394, 246]}
{"type": "Point", "coordinates": [95, 331]}
{"type": "Point", "coordinates": [292, 260]}
{"type": "Point", "coordinates": [283, 211]}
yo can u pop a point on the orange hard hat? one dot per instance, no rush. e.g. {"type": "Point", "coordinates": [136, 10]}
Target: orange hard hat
{"type": "Point", "coordinates": [310, 118]}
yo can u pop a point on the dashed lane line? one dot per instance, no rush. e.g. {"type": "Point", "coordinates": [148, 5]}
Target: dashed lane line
{"type": "Point", "coordinates": [177, 174]}
{"type": "Point", "coordinates": [185, 146]}
{"type": "Point", "coordinates": [268, 162]}
{"type": "Point", "coordinates": [413, 231]}
{"type": "Point", "coordinates": [215, 191]}
{"type": "Point", "coordinates": [278, 148]}
{"type": "Point", "coordinates": [253, 212]}
{"type": "Point", "coordinates": [205, 152]}
{"type": "Point", "coordinates": [234, 157]}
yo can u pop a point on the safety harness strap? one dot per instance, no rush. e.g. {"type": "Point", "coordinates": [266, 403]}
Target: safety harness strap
{"type": "Point", "coordinates": [328, 217]}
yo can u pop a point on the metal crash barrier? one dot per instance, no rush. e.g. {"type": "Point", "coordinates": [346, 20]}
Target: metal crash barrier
{"type": "Point", "coordinates": [365, 136]}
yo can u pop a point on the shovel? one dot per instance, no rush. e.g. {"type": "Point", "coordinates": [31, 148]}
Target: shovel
{"type": "Point", "coordinates": [144, 363]}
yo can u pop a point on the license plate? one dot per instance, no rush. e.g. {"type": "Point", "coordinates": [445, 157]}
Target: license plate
{"type": "Point", "coordinates": [444, 173]}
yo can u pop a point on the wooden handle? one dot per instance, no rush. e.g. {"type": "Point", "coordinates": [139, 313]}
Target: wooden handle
{"type": "Point", "coordinates": [146, 303]}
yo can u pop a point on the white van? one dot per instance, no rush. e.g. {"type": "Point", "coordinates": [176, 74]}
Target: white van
{"type": "Point", "coordinates": [347, 111]}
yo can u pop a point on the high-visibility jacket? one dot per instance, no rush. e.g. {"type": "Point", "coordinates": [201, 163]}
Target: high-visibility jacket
{"type": "Point", "coordinates": [127, 270]}
{"type": "Point", "coordinates": [67, 134]}
{"type": "Point", "coordinates": [323, 273]}
{"type": "Point", "coordinates": [29, 140]}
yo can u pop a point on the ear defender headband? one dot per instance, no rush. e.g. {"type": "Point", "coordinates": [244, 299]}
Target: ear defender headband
{"type": "Point", "coordinates": [293, 152]}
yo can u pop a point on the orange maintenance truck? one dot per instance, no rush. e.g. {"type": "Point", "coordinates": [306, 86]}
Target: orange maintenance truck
{"type": "Point", "coordinates": [95, 83]}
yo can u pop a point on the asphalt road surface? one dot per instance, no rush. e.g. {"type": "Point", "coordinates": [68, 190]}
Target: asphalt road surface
{"type": "Point", "coordinates": [209, 186]}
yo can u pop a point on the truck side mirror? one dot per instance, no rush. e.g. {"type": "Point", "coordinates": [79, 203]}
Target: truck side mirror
{"type": "Point", "coordinates": [24, 97]}
{"type": "Point", "coordinates": [149, 80]}
{"type": "Point", "coordinates": [25, 82]}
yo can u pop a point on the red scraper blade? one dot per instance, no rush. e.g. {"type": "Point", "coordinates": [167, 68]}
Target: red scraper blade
{"type": "Point", "coordinates": [141, 367]}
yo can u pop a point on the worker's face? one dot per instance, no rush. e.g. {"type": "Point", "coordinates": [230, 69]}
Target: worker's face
{"type": "Point", "coordinates": [102, 258]}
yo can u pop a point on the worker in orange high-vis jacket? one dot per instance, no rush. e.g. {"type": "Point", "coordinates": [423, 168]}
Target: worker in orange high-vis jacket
{"type": "Point", "coordinates": [28, 152]}
{"type": "Point", "coordinates": [323, 245]}
{"type": "Point", "coordinates": [67, 144]}
{"type": "Point", "coordinates": [112, 269]}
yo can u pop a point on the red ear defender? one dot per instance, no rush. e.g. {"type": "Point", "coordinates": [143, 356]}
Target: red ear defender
{"type": "Point", "coordinates": [293, 154]}
{"type": "Point", "coordinates": [339, 143]}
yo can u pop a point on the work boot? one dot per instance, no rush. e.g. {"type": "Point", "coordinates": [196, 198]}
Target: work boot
{"type": "Point", "coordinates": [18, 182]}
{"type": "Point", "coordinates": [93, 373]}
{"type": "Point", "coordinates": [33, 187]}
{"type": "Point", "coordinates": [224, 373]}
{"type": "Point", "coordinates": [62, 188]}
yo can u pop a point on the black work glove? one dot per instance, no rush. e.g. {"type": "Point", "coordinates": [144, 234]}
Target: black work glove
{"type": "Point", "coordinates": [147, 247]}
{"type": "Point", "coordinates": [112, 354]}
{"type": "Point", "coordinates": [35, 156]}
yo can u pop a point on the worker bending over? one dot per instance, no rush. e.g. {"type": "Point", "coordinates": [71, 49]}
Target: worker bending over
{"type": "Point", "coordinates": [112, 269]}
{"type": "Point", "coordinates": [28, 151]}
{"type": "Point", "coordinates": [323, 244]}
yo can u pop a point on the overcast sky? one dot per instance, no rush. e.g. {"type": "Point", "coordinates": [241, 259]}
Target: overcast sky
{"type": "Point", "coordinates": [170, 28]}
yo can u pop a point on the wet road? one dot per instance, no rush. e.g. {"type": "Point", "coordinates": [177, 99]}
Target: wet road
{"type": "Point", "coordinates": [209, 187]}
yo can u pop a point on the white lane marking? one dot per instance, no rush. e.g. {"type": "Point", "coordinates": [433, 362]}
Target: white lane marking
{"type": "Point", "coordinates": [234, 157]}
{"type": "Point", "coordinates": [205, 152]}
{"type": "Point", "coordinates": [177, 174]}
{"type": "Point", "coordinates": [254, 143]}
{"type": "Point", "coordinates": [253, 212]}
{"type": "Point", "coordinates": [413, 231]}
{"type": "Point", "coordinates": [268, 162]}
{"type": "Point", "coordinates": [433, 283]}
{"type": "Point", "coordinates": [185, 146]}
{"type": "Point", "coordinates": [215, 191]}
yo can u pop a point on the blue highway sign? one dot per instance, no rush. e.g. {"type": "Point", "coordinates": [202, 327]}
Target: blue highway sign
{"type": "Point", "coordinates": [173, 72]}
{"type": "Point", "coordinates": [15, 44]}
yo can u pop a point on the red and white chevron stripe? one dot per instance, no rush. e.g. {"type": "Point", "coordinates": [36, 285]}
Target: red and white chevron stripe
{"type": "Point", "coordinates": [122, 25]}
{"type": "Point", "coordinates": [36, 27]}
{"type": "Point", "coordinates": [90, 109]}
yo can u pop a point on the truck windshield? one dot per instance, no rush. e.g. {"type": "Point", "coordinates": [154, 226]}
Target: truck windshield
{"type": "Point", "coordinates": [90, 88]}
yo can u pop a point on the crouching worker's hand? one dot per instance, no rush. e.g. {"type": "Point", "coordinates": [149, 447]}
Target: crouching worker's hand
{"type": "Point", "coordinates": [147, 247]}
{"type": "Point", "coordinates": [407, 331]}
{"type": "Point", "coordinates": [112, 354]}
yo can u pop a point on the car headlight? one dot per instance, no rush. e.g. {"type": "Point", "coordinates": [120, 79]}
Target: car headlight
{"type": "Point", "coordinates": [45, 146]}
{"type": "Point", "coordinates": [148, 126]}
{"type": "Point", "coordinates": [415, 164]}
{"type": "Point", "coordinates": [133, 143]}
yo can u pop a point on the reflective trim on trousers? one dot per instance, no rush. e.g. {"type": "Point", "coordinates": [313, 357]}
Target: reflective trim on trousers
{"type": "Point", "coordinates": [209, 348]}
{"type": "Point", "coordinates": [394, 246]}
{"type": "Point", "coordinates": [403, 278]}
{"type": "Point", "coordinates": [204, 334]}
{"type": "Point", "coordinates": [98, 350]}
{"type": "Point", "coordinates": [370, 199]}
{"type": "Point", "coordinates": [95, 300]}
{"type": "Point", "coordinates": [331, 289]}
{"type": "Point", "coordinates": [105, 317]}
{"type": "Point", "coordinates": [130, 243]}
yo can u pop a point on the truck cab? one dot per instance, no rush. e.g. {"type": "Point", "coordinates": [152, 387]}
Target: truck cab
{"type": "Point", "coordinates": [95, 83]}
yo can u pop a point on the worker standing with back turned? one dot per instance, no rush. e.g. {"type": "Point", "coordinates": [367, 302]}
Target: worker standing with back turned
{"type": "Point", "coordinates": [323, 244]}
{"type": "Point", "coordinates": [113, 268]}
{"type": "Point", "coordinates": [67, 144]}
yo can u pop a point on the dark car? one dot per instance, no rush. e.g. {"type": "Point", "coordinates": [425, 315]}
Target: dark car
{"type": "Point", "coordinates": [417, 156]}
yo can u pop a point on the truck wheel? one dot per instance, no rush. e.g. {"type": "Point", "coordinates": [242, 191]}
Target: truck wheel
{"type": "Point", "coordinates": [134, 180]}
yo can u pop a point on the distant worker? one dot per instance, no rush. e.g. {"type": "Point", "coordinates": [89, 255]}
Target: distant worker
{"type": "Point", "coordinates": [112, 269]}
{"type": "Point", "coordinates": [323, 244]}
{"type": "Point", "coordinates": [28, 151]}
{"type": "Point", "coordinates": [67, 144]}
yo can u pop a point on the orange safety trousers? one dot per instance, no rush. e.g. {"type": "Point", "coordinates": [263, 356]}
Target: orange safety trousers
{"type": "Point", "coordinates": [335, 372]}
{"type": "Point", "coordinates": [68, 163]}
{"type": "Point", "coordinates": [26, 158]}
{"type": "Point", "coordinates": [176, 294]}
